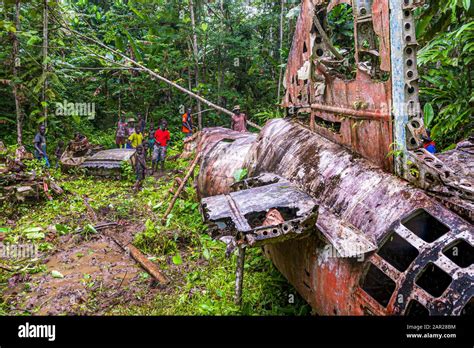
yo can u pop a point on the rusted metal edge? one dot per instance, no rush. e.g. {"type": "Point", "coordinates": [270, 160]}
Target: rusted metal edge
{"type": "Point", "coordinates": [348, 240]}
{"type": "Point", "coordinates": [296, 228]}
{"type": "Point", "coordinates": [363, 114]}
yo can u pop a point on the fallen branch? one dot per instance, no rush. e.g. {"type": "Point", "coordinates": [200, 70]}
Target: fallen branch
{"type": "Point", "coordinates": [147, 265]}
{"type": "Point", "coordinates": [181, 186]}
{"type": "Point", "coordinates": [92, 213]}
{"type": "Point", "coordinates": [126, 272]}
{"type": "Point", "coordinates": [100, 226]}
{"type": "Point", "coordinates": [105, 225]}
{"type": "Point", "coordinates": [154, 74]}
{"type": "Point", "coordinates": [6, 268]}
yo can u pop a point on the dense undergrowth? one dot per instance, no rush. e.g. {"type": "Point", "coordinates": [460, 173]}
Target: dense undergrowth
{"type": "Point", "coordinates": [202, 278]}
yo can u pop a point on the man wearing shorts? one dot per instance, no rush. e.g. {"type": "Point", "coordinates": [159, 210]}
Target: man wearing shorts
{"type": "Point", "coordinates": [162, 137]}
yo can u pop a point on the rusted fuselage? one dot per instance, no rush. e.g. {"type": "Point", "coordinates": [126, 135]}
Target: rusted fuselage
{"type": "Point", "coordinates": [393, 231]}
{"type": "Point", "coordinates": [410, 270]}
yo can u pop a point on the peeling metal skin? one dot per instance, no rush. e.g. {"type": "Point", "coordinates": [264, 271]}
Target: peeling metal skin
{"type": "Point", "coordinates": [243, 214]}
{"type": "Point", "coordinates": [109, 162]}
{"type": "Point", "coordinates": [382, 245]}
{"type": "Point", "coordinates": [360, 207]}
{"type": "Point", "coordinates": [217, 168]}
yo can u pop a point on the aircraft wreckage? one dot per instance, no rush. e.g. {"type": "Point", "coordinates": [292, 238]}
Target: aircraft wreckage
{"type": "Point", "coordinates": [356, 227]}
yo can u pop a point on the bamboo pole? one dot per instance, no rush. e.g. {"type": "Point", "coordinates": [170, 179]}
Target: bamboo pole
{"type": "Point", "coordinates": [154, 74]}
{"type": "Point", "coordinates": [181, 186]}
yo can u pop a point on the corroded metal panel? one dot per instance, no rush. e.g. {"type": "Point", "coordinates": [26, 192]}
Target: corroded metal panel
{"type": "Point", "coordinates": [360, 106]}
{"type": "Point", "coordinates": [361, 210]}
{"type": "Point", "coordinates": [268, 213]}
{"type": "Point", "coordinates": [112, 155]}
{"type": "Point", "coordinates": [109, 162]}
{"type": "Point", "coordinates": [347, 240]}
{"type": "Point", "coordinates": [219, 170]}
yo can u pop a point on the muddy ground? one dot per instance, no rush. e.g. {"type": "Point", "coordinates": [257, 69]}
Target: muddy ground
{"type": "Point", "coordinates": [86, 274]}
{"type": "Point", "coordinates": [96, 274]}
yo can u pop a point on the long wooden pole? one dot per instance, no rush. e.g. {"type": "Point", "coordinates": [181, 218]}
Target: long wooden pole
{"type": "Point", "coordinates": [181, 186]}
{"type": "Point", "coordinates": [154, 74]}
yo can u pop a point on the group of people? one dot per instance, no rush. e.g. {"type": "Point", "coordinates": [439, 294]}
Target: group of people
{"type": "Point", "coordinates": [153, 142]}
{"type": "Point", "coordinates": [132, 134]}
{"type": "Point", "coordinates": [158, 140]}
{"type": "Point", "coordinates": [79, 143]}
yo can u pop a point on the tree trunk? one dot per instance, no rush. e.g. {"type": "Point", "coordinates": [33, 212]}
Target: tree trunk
{"type": "Point", "coordinates": [196, 59]}
{"type": "Point", "coordinates": [45, 62]}
{"type": "Point", "coordinates": [16, 65]}
{"type": "Point", "coordinates": [220, 71]}
{"type": "Point", "coordinates": [220, 79]}
{"type": "Point", "coordinates": [280, 78]}
{"type": "Point", "coordinates": [190, 84]}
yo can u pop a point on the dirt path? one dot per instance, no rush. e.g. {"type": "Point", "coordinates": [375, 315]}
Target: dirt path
{"type": "Point", "coordinates": [97, 274]}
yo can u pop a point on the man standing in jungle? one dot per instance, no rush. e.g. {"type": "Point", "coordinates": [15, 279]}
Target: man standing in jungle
{"type": "Point", "coordinates": [239, 120]}
{"type": "Point", "coordinates": [162, 137]}
{"type": "Point", "coordinates": [187, 124]}
{"type": "Point", "coordinates": [40, 145]}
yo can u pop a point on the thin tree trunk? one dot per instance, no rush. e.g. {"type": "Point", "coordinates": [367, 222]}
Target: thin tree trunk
{"type": "Point", "coordinates": [280, 78]}
{"type": "Point", "coordinates": [120, 106]}
{"type": "Point", "coordinates": [16, 65]}
{"type": "Point", "coordinates": [196, 58]}
{"type": "Point", "coordinates": [220, 80]}
{"type": "Point", "coordinates": [220, 71]}
{"type": "Point", "coordinates": [45, 62]}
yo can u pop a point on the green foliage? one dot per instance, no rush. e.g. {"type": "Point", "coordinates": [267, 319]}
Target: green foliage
{"type": "Point", "coordinates": [240, 174]}
{"type": "Point", "coordinates": [238, 56]}
{"type": "Point", "coordinates": [204, 278]}
{"type": "Point", "coordinates": [446, 63]}
{"type": "Point", "coordinates": [265, 115]}
{"type": "Point", "coordinates": [428, 114]}
{"type": "Point", "coordinates": [341, 19]}
{"type": "Point", "coordinates": [127, 171]}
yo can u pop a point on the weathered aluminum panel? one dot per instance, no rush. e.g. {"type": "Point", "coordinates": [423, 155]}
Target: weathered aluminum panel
{"type": "Point", "coordinates": [108, 162]}
{"type": "Point", "coordinates": [237, 214]}
{"type": "Point", "coordinates": [461, 159]}
{"type": "Point", "coordinates": [348, 240]}
{"type": "Point", "coordinates": [278, 195]}
{"type": "Point", "coordinates": [112, 155]}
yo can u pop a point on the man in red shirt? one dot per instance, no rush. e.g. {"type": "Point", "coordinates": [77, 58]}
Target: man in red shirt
{"type": "Point", "coordinates": [162, 136]}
